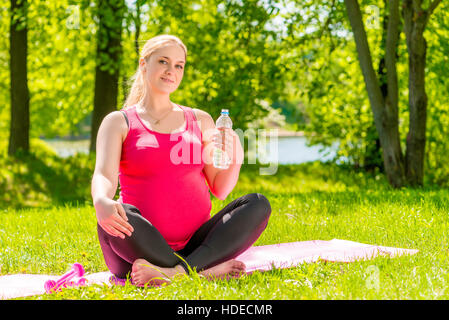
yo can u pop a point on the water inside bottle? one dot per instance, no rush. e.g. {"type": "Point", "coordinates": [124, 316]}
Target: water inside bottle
{"type": "Point", "coordinates": [221, 158]}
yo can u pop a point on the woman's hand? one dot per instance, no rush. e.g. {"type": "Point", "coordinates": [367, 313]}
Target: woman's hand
{"type": "Point", "coordinates": [112, 217]}
{"type": "Point", "coordinates": [233, 147]}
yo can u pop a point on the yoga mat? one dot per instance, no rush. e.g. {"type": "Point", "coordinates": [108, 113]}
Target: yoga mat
{"type": "Point", "coordinates": [258, 258]}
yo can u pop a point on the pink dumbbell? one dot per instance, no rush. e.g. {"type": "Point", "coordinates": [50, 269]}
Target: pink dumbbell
{"type": "Point", "coordinates": [79, 282]}
{"type": "Point", "coordinates": [77, 271]}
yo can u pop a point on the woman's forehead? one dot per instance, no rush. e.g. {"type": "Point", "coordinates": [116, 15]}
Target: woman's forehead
{"type": "Point", "coordinates": [171, 51]}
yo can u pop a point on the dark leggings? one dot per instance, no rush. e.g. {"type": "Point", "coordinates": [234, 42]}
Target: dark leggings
{"type": "Point", "coordinates": [224, 236]}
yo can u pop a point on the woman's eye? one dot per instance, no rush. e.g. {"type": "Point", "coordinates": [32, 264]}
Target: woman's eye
{"type": "Point", "coordinates": [164, 62]}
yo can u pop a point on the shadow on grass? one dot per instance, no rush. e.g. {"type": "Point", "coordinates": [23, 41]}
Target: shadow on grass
{"type": "Point", "coordinates": [334, 186]}
{"type": "Point", "coordinates": [33, 180]}
{"type": "Point", "coordinates": [310, 177]}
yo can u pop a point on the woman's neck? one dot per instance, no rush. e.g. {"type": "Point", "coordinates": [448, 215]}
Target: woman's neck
{"type": "Point", "coordinates": [156, 104]}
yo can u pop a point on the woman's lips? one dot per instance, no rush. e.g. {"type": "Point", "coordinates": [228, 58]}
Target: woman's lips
{"type": "Point", "coordinates": [167, 80]}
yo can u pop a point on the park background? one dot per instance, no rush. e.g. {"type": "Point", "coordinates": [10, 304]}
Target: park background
{"type": "Point", "coordinates": [364, 81]}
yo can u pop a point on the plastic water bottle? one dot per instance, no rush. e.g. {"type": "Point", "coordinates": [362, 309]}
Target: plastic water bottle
{"type": "Point", "coordinates": [221, 158]}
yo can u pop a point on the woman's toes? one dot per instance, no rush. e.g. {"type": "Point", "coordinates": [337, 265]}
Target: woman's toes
{"type": "Point", "coordinates": [143, 272]}
{"type": "Point", "coordinates": [135, 266]}
{"type": "Point", "coordinates": [135, 277]}
{"type": "Point", "coordinates": [238, 265]}
{"type": "Point", "coordinates": [137, 270]}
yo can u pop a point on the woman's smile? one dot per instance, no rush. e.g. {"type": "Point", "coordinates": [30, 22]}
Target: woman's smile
{"type": "Point", "coordinates": [167, 80]}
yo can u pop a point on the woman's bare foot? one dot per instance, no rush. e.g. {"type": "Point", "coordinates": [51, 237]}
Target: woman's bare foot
{"type": "Point", "coordinates": [144, 272]}
{"type": "Point", "coordinates": [226, 270]}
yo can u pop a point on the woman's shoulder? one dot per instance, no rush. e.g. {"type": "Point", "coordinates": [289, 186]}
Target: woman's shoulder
{"type": "Point", "coordinates": [201, 114]}
{"type": "Point", "coordinates": [117, 121]}
{"type": "Point", "coordinates": [203, 118]}
{"type": "Point", "coordinates": [116, 117]}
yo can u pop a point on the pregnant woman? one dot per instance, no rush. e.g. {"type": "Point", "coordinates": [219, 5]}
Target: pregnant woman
{"type": "Point", "coordinates": [161, 154]}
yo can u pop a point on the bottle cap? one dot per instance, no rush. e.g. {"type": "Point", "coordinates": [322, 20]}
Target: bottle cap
{"type": "Point", "coordinates": [224, 111]}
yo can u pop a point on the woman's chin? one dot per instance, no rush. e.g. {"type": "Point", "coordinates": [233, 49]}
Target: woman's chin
{"type": "Point", "coordinates": [165, 88]}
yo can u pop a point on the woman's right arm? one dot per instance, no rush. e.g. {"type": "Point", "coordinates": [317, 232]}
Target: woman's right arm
{"type": "Point", "coordinates": [110, 214]}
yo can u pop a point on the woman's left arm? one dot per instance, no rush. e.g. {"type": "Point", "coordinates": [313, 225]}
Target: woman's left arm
{"type": "Point", "coordinates": [221, 181]}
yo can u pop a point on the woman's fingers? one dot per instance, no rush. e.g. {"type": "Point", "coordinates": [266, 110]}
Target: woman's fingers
{"type": "Point", "coordinates": [124, 221]}
{"type": "Point", "coordinates": [114, 227]}
{"type": "Point", "coordinates": [228, 141]}
{"type": "Point", "coordinates": [113, 219]}
{"type": "Point", "coordinates": [121, 225]}
{"type": "Point", "coordinates": [121, 211]}
{"type": "Point", "coordinates": [111, 231]}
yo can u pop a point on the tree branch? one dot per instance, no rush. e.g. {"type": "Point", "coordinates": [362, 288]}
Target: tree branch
{"type": "Point", "coordinates": [416, 5]}
{"type": "Point", "coordinates": [433, 6]}
{"type": "Point", "coordinates": [366, 64]}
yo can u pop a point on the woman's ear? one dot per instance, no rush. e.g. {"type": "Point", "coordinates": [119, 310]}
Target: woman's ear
{"type": "Point", "coordinates": [142, 64]}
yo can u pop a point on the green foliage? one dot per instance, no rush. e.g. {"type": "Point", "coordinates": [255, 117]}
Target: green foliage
{"type": "Point", "coordinates": [4, 71]}
{"type": "Point", "coordinates": [324, 78]}
{"type": "Point", "coordinates": [331, 87]}
{"type": "Point", "coordinates": [61, 66]}
{"type": "Point", "coordinates": [293, 112]}
{"type": "Point", "coordinates": [110, 15]}
{"type": "Point", "coordinates": [437, 84]}
{"type": "Point", "coordinates": [233, 61]}
{"type": "Point", "coordinates": [251, 57]}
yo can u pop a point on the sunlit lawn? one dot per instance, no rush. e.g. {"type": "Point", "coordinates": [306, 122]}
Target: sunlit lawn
{"type": "Point", "coordinates": [309, 202]}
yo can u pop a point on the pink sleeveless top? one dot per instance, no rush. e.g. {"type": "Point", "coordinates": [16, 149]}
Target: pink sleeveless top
{"type": "Point", "coordinates": [162, 175]}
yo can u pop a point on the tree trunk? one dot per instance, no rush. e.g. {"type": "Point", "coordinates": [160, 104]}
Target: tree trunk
{"type": "Point", "coordinates": [415, 21]}
{"type": "Point", "coordinates": [138, 25]}
{"type": "Point", "coordinates": [385, 71]}
{"type": "Point", "coordinates": [384, 110]}
{"type": "Point", "coordinates": [109, 50]}
{"type": "Point", "coordinates": [20, 97]}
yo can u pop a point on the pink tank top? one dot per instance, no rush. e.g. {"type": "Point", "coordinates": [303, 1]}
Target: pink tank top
{"type": "Point", "coordinates": [162, 175]}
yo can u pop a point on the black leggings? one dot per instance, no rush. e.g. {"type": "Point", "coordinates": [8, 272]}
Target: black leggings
{"type": "Point", "coordinates": [224, 236]}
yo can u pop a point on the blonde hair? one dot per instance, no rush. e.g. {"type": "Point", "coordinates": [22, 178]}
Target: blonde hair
{"type": "Point", "coordinates": [138, 88]}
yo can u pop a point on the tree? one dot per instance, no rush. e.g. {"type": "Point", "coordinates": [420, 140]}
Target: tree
{"type": "Point", "coordinates": [415, 21]}
{"type": "Point", "coordinates": [325, 81]}
{"type": "Point", "coordinates": [399, 170]}
{"type": "Point", "coordinates": [108, 61]}
{"type": "Point", "coordinates": [20, 97]}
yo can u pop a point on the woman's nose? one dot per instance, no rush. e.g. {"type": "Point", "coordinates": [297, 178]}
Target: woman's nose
{"type": "Point", "coordinates": [169, 68]}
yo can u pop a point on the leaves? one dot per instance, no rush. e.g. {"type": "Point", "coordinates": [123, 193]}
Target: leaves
{"type": "Point", "coordinates": [297, 57]}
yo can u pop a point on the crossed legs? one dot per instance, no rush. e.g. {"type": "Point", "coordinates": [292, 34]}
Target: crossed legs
{"type": "Point", "coordinates": [210, 250]}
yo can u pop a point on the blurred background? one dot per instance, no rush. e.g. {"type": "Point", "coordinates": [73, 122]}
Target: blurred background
{"type": "Point", "coordinates": [297, 66]}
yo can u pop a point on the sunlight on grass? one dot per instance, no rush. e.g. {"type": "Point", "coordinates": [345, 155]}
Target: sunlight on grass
{"type": "Point", "coordinates": [309, 202]}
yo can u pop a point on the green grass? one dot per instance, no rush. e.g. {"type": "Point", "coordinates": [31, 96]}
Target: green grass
{"type": "Point", "coordinates": [309, 202]}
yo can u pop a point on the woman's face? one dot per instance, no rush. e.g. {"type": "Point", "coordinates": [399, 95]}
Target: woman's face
{"type": "Point", "coordinates": [164, 69]}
